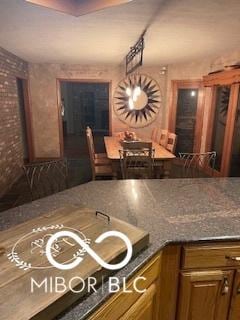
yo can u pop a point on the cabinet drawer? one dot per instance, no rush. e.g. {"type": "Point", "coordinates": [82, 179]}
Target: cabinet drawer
{"type": "Point", "coordinates": [121, 302]}
{"type": "Point", "coordinates": [207, 256]}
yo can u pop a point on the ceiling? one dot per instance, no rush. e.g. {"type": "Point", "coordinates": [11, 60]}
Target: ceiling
{"type": "Point", "coordinates": [177, 31]}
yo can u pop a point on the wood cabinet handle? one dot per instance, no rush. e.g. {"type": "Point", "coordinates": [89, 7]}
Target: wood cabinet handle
{"type": "Point", "coordinates": [233, 258]}
{"type": "Point", "coordinates": [225, 287]}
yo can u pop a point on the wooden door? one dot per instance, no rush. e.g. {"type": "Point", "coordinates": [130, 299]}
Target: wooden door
{"type": "Point", "coordinates": [145, 307]}
{"type": "Point", "coordinates": [235, 303]}
{"type": "Point", "coordinates": [186, 114]}
{"type": "Point", "coordinates": [205, 295]}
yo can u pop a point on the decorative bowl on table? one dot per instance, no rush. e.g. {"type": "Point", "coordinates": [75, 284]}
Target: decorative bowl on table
{"type": "Point", "coordinates": [130, 136]}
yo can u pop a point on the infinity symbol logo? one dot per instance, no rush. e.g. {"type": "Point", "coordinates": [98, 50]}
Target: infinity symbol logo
{"type": "Point", "coordinates": [91, 252]}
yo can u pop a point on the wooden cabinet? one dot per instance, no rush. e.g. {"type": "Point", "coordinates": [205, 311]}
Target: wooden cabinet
{"type": "Point", "coordinates": [191, 282]}
{"type": "Point", "coordinates": [209, 282]}
{"type": "Point", "coordinates": [145, 307]}
{"type": "Point", "coordinates": [135, 305]}
{"type": "Point", "coordinates": [205, 295]}
{"type": "Point", "coordinates": [234, 313]}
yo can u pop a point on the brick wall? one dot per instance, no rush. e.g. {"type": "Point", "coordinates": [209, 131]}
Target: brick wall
{"type": "Point", "coordinates": [11, 152]}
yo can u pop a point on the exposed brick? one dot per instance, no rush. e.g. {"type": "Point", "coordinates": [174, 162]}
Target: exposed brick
{"type": "Point", "coordinates": [11, 151]}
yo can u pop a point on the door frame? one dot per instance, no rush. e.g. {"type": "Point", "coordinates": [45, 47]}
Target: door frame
{"type": "Point", "coordinates": [28, 117]}
{"type": "Point", "coordinates": [59, 80]}
{"type": "Point", "coordinates": [188, 84]}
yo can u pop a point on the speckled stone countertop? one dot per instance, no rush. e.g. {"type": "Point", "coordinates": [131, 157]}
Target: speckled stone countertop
{"type": "Point", "coordinates": [172, 211]}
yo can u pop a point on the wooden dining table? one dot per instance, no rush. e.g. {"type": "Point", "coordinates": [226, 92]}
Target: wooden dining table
{"type": "Point", "coordinates": [162, 156]}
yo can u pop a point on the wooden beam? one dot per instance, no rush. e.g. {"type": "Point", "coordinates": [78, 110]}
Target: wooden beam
{"type": "Point", "coordinates": [59, 5]}
{"type": "Point", "coordinates": [76, 7]}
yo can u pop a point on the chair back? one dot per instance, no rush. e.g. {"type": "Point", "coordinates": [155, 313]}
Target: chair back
{"type": "Point", "coordinates": [136, 145]}
{"type": "Point", "coordinates": [46, 178]}
{"type": "Point", "coordinates": [163, 140]}
{"type": "Point", "coordinates": [91, 150]}
{"type": "Point", "coordinates": [171, 142]}
{"type": "Point", "coordinates": [137, 163]}
{"type": "Point", "coordinates": [154, 135]}
{"type": "Point", "coordinates": [198, 165]}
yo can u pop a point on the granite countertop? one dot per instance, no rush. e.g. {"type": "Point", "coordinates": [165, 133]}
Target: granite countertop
{"type": "Point", "coordinates": [172, 211]}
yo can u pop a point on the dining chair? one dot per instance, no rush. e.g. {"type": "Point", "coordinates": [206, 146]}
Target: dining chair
{"type": "Point", "coordinates": [163, 138]}
{"type": "Point", "coordinates": [171, 142]}
{"type": "Point", "coordinates": [137, 160]}
{"type": "Point", "coordinates": [99, 158]}
{"type": "Point", "coordinates": [46, 178]}
{"type": "Point", "coordinates": [196, 165]}
{"type": "Point", "coordinates": [136, 145]}
{"type": "Point", "coordinates": [101, 166]}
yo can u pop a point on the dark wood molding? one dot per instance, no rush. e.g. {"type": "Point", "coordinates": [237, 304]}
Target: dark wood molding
{"type": "Point", "coordinates": [222, 78]}
{"type": "Point", "coordinates": [28, 116]}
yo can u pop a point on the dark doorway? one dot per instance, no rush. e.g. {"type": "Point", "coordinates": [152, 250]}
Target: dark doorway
{"type": "Point", "coordinates": [186, 119]}
{"type": "Point", "coordinates": [23, 103]}
{"type": "Point", "coordinates": [186, 114]}
{"type": "Point", "coordinates": [83, 104]}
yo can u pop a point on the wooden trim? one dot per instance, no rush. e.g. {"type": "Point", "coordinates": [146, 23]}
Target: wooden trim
{"type": "Point", "coordinates": [110, 126]}
{"type": "Point", "coordinates": [28, 117]}
{"type": "Point", "coordinates": [173, 107]}
{"type": "Point", "coordinates": [60, 123]}
{"type": "Point", "coordinates": [211, 115]}
{"type": "Point", "coordinates": [188, 84]}
{"type": "Point", "coordinates": [169, 275]}
{"type": "Point", "coordinates": [59, 80]}
{"type": "Point", "coordinates": [199, 120]}
{"type": "Point", "coordinates": [222, 78]}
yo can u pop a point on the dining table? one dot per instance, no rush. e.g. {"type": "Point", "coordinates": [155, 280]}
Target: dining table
{"type": "Point", "coordinates": [162, 157]}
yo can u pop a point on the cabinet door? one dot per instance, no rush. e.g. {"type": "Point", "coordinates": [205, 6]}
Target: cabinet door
{"type": "Point", "coordinates": [144, 308]}
{"type": "Point", "coordinates": [204, 295]}
{"type": "Point", "coordinates": [235, 305]}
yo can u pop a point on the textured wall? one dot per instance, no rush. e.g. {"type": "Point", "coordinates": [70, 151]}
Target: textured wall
{"type": "Point", "coordinates": [44, 99]}
{"type": "Point", "coordinates": [43, 86]}
{"type": "Point", "coordinates": [11, 152]}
